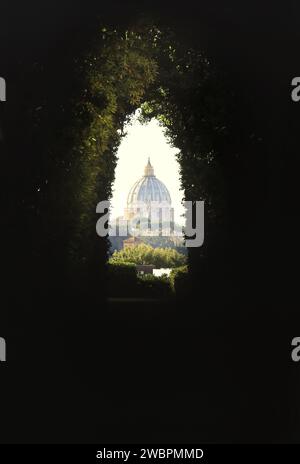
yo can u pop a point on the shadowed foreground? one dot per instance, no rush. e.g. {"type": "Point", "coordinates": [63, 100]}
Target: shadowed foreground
{"type": "Point", "coordinates": [145, 371]}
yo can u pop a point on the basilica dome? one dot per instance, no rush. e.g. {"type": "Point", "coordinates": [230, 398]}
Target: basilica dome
{"type": "Point", "coordinates": [147, 189]}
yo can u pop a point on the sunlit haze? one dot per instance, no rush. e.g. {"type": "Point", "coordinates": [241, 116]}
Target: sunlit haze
{"type": "Point", "coordinates": [143, 141]}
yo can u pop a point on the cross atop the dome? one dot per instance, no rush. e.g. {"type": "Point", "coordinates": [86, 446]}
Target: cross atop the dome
{"type": "Point", "coordinates": [149, 171]}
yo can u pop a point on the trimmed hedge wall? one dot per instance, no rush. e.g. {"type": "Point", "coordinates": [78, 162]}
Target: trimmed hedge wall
{"type": "Point", "coordinates": [123, 281]}
{"type": "Point", "coordinates": [154, 287]}
{"type": "Point", "coordinates": [179, 280]}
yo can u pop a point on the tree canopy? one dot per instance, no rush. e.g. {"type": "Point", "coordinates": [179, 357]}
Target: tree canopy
{"type": "Point", "coordinates": [145, 254]}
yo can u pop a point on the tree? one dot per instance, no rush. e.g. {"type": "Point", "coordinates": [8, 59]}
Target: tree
{"type": "Point", "coordinates": [145, 254]}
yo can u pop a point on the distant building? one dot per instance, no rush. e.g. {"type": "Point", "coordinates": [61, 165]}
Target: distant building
{"type": "Point", "coordinates": [145, 268]}
{"type": "Point", "coordinates": [149, 200]}
{"type": "Point", "coordinates": [150, 214]}
{"type": "Point", "coordinates": [162, 271]}
{"type": "Point", "coordinates": [131, 242]}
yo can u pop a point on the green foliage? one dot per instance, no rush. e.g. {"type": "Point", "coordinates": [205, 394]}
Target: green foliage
{"type": "Point", "coordinates": [122, 279]}
{"type": "Point", "coordinates": [117, 73]}
{"type": "Point", "coordinates": [145, 254]}
{"type": "Point", "coordinates": [154, 287]}
{"type": "Point", "coordinates": [72, 132]}
{"type": "Point", "coordinates": [162, 242]}
{"type": "Point", "coordinates": [191, 103]}
{"type": "Point", "coordinates": [122, 269]}
{"type": "Point", "coordinates": [179, 281]}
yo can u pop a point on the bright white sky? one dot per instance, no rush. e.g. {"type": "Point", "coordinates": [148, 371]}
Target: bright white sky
{"type": "Point", "coordinates": [140, 142]}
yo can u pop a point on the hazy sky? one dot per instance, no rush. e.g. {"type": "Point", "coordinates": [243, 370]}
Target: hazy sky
{"type": "Point", "coordinates": [140, 142]}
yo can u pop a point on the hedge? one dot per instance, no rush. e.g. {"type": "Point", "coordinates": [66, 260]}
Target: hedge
{"type": "Point", "coordinates": [154, 287]}
{"type": "Point", "coordinates": [179, 280]}
{"type": "Point", "coordinates": [122, 279]}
